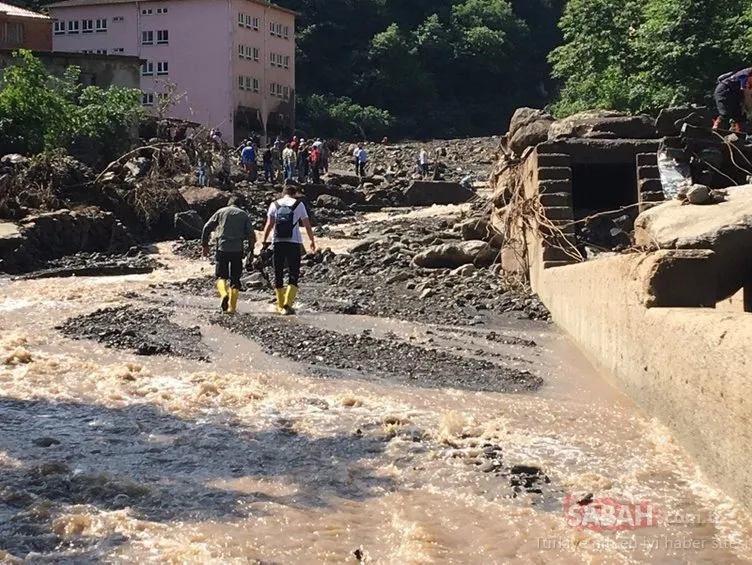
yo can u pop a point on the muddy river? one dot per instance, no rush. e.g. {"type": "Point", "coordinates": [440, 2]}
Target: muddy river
{"type": "Point", "coordinates": [327, 438]}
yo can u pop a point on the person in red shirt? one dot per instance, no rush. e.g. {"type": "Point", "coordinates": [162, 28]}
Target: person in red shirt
{"type": "Point", "coordinates": [315, 160]}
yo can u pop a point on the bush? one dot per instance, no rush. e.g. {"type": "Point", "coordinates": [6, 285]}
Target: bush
{"type": "Point", "coordinates": [342, 118]}
{"type": "Point", "coordinates": [39, 111]}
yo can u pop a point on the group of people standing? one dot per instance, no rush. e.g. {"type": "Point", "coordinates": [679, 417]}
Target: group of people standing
{"type": "Point", "coordinates": [297, 159]}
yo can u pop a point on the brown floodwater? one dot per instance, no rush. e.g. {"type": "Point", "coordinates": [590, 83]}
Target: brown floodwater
{"type": "Point", "coordinates": [109, 457]}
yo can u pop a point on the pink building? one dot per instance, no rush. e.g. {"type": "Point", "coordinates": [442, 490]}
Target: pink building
{"type": "Point", "coordinates": [232, 61]}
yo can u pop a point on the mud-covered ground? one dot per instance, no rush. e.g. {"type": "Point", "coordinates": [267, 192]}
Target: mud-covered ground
{"type": "Point", "coordinates": [370, 357]}
{"type": "Point", "coordinates": [145, 331]}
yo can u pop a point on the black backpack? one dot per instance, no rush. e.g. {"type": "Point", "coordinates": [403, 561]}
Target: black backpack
{"type": "Point", "coordinates": [285, 222]}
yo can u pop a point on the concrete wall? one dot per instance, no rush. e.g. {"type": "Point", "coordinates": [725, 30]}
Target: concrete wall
{"type": "Point", "coordinates": [640, 320]}
{"type": "Point", "coordinates": [99, 70]}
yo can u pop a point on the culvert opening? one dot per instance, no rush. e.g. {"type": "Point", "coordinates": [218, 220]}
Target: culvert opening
{"type": "Point", "coordinates": [599, 188]}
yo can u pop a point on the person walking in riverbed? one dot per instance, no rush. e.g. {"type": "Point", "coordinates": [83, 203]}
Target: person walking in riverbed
{"type": "Point", "coordinates": [283, 222]}
{"type": "Point", "coordinates": [234, 228]}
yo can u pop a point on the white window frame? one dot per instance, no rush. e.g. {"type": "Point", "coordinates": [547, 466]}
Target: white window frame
{"type": "Point", "coordinates": [59, 27]}
{"type": "Point", "coordinates": [256, 22]}
{"type": "Point", "coordinates": [241, 82]}
{"type": "Point", "coordinates": [118, 19]}
{"type": "Point", "coordinates": [272, 89]}
{"type": "Point", "coordinates": [147, 69]}
{"type": "Point", "coordinates": [87, 26]}
{"type": "Point", "coordinates": [279, 90]}
{"type": "Point", "coordinates": [163, 68]}
{"type": "Point", "coordinates": [286, 32]}
{"type": "Point", "coordinates": [101, 51]}
{"type": "Point", "coordinates": [272, 27]}
{"type": "Point", "coordinates": [256, 54]}
{"type": "Point", "coordinates": [165, 37]}
{"type": "Point", "coordinates": [147, 99]}
{"type": "Point", "coordinates": [286, 63]}
{"type": "Point", "coordinates": [248, 84]}
{"type": "Point", "coordinates": [101, 25]}
{"type": "Point", "coordinates": [73, 27]}
{"type": "Point", "coordinates": [147, 38]}
{"type": "Point", "coordinates": [118, 50]}
{"type": "Point", "coordinates": [146, 11]}
{"type": "Point", "coordinates": [241, 51]}
{"type": "Point", "coordinates": [286, 92]}
{"type": "Point", "coordinates": [273, 59]}
{"type": "Point", "coordinates": [241, 19]}
{"type": "Point", "coordinates": [161, 10]}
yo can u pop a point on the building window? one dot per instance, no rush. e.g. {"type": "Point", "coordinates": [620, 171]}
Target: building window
{"type": "Point", "coordinates": [59, 27]}
{"type": "Point", "coordinates": [117, 19]}
{"type": "Point", "coordinates": [147, 38]}
{"type": "Point", "coordinates": [147, 99]}
{"type": "Point", "coordinates": [101, 25]}
{"type": "Point", "coordinates": [255, 24]}
{"type": "Point", "coordinates": [87, 26]}
{"type": "Point", "coordinates": [279, 90]}
{"type": "Point", "coordinates": [241, 51]}
{"type": "Point", "coordinates": [118, 50]}
{"type": "Point", "coordinates": [248, 83]}
{"type": "Point", "coordinates": [273, 59]}
{"type": "Point", "coordinates": [272, 88]}
{"type": "Point", "coordinates": [255, 84]}
{"type": "Point", "coordinates": [286, 62]}
{"type": "Point", "coordinates": [101, 51]}
{"type": "Point", "coordinates": [286, 32]}
{"type": "Point", "coordinates": [73, 26]}
{"type": "Point", "coordinates": [241, 19]}
{"type": "Point", "coordinates": [147, 69]}
{"type": "Point", "coordinates": [162, 68]}
{"type": "Point", "coordinates": [146, 12]}
{"type": "Point", "coordinates": [163, 37]}
{"type": "Point", "coordinates": [271, 28]}
{"type": "Point", "coordinates": [161, 10]}
{"type": "Point", "coordinates": [241, 83]}
{"type": "Point", "coordinates": [286, 92]}
{"type": "Point", "coordinates": [279, 30]}
{"type": "Point", "coordinates": [255, 54]}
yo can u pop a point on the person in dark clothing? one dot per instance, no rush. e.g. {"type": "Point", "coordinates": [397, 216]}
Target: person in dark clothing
{"type": "Point", "coordinates": [235, 228]}
{"type": "Point", "coordinates": [729, 99]}
{"type": "Point", "coordinates": [285, 217]}
{"type": "Point", "coordinates": [267, 158]}
{"type": "Point", "coordinates": [304, 166]}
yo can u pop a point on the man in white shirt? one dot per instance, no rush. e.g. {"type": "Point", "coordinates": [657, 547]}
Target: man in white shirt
{"type": "Point", "coordinates": [423, 162]}
{"type": "Point", "coordinates": [284, 218]}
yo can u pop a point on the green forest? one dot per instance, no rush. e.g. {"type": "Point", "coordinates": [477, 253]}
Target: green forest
{"type": "Point", "coordinates": [448, 68]}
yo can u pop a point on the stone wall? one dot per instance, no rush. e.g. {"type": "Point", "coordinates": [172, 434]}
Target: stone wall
{"type": "Point", "coordinates": [98, 70]}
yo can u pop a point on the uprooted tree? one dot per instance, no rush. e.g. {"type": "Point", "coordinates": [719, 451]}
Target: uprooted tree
{"type": "Point", "coordinates": [40, 112]}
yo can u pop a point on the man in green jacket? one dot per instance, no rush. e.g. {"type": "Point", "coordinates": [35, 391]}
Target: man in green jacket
{"type": "Point", "coordinates": [234, 229]}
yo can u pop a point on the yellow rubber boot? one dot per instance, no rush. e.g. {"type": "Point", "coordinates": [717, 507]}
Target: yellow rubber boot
{"type": "Point", "coordinates": [233, 301]}
{"type": "Point", "coordinates": [223, 294]}
{"type": "Point", "coordinates": [280, 300]}
{"type": "Point", "coordinates": [290, 296]}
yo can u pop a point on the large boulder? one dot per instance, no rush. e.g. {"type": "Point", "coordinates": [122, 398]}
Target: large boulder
{"type": "Point", "coordinates": [329, 201]}
{"type": "Point", "coordinates": [453, 255]}
{"type": "Point", "coordinates": [725, 228]}
{"type": "Point", "coordinates": [603, 124]}
{"type": "Point", "coordinates": [189, 225]}
{"type": "Point", "coordinates": [528, 128]}
{"type": "Point", "coordinates": [670, 120]}
{"type": "Point", "coordinates": [481, 230]}
{"type": "Point", "coordinates": [426, 193]}
{"type": "Point", "coordinates": [204, 200]}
